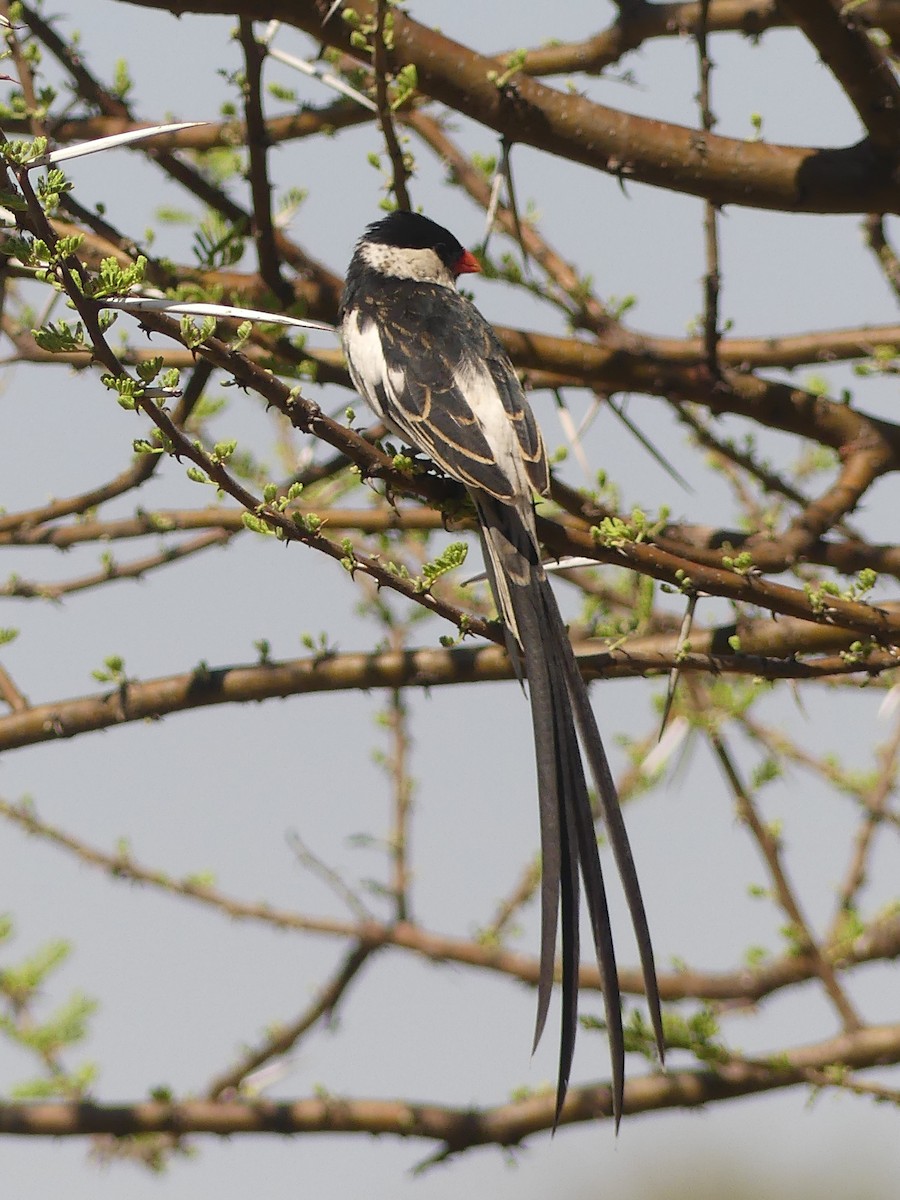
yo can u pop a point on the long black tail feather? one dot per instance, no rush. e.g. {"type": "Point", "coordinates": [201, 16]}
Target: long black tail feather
{"type": "Point", "coordinates": [539, 643]}
{"type": "Point", "coordinates": [571, 939]}
{"type": "Point", "coordinates": [556, 740]}
{"type": "Point", "coordinates": [618, 840]}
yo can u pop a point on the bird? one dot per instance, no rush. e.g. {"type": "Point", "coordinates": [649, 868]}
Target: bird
{"type": "Point", "coordinates": [432, 368]}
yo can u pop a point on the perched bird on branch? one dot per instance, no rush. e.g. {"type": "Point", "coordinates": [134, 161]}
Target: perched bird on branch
{"type": "Point", "coordinates": [433, 370]}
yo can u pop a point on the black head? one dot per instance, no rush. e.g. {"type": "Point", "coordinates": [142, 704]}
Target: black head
{"type": "Point", "coordinates": [412, 231]}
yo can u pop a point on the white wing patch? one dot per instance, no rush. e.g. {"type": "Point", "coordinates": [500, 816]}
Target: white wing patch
{"type": "Point", "coordinates": [396, 381]}
{"type": "Point", "coordinates": [365, 359]}
{"type": "Point", "coordinates": [475, 382]}
{"type": "Point", "coordinates": [372, 378]}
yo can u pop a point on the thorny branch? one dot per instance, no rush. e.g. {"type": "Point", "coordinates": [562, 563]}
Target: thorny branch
{"type": "Point", "coordinates": [738, 987]}
{"type": "Point", "coordinates": [456, 1129]}
{"type": "Point", "coordinates": [381, 39]}
{"type": "Point", "coordinates": [793, 520]}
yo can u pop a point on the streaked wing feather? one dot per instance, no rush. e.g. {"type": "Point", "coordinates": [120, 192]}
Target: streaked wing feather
{"type": "Point", "coordinates": [519, 412]}
{"type": "Point", "coordinates": [443, 372]}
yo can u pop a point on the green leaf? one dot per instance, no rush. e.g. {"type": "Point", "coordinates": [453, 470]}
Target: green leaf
{"type": "Point", "coordinates": [257, 524]}
{"type": "Point", "coordinates": [451, 558]}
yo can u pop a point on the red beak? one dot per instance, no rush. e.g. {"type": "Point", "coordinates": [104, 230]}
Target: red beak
{"type": "Point", "coordinates": [467, 264]}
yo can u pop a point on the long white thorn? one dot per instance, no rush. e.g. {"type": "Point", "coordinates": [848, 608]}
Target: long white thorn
{"type": "Point", "coordinates": [108, 143]}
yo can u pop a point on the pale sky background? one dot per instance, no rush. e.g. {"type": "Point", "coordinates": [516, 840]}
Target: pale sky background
{"type": "Point", "coordinates": [181, 990]}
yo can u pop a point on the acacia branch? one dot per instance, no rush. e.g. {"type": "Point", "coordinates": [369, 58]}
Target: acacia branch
{"type": "Point", "coordinates": [194, 181]}
{"type": "Point", "coordinates": [723, 170]}
{"type": "Point", "coordinates": [456, 1129]}
{"type": "Point", "coordinates": [283, 1039]}
{"type": "Point", "coordinates": [875, 808]}
{"type": "Point", "coordinates": [684, 573]}
{"type": "Point", "coordinates": [822, 766]}
{"type": "Point", "coordinates": [141, 469]}
{"type": "Point", "coordinates": [258, 175]}
{"type": "Point", "coordinates": [768, 843]}
{"type": "Point", "coordinates": [860, 67]}
{"type": "Point", "coordinates": [112, 571]}
{"type": "Point", "coordinates": [879, 941]}
{"type": "Point", "coordinates": [885, 254]}
{"type": "Point", "coordinates": [712, 279]}
{"type": "Point", "coordinates": [644, 22]}
{"type": "Point", "coordinates": [380, 60]}
{"type": "Point", "coordinates": [769, 649]}
{"type": "Point", "coordinates": [307, 122]}
{"type": "Point", "coordinates": [166, 521]}
{"type": "Point", "coordinates": [631, 366]}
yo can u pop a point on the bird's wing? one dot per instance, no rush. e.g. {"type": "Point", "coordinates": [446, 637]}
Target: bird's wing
{"type": "Point", "coordinates": [445, 383]}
